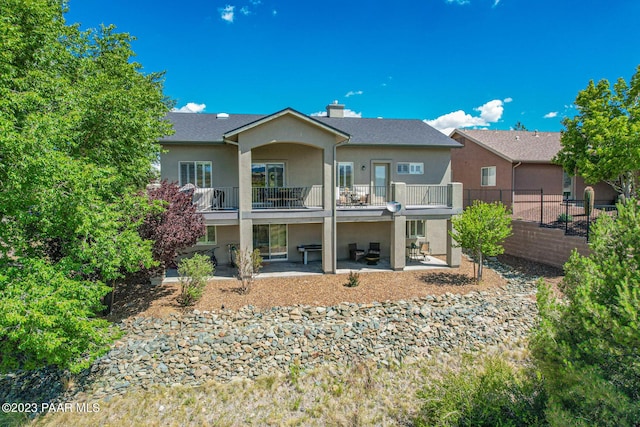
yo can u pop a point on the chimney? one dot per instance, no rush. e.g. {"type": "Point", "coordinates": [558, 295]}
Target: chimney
{"type": "Point", "coordinates": [335, 110]}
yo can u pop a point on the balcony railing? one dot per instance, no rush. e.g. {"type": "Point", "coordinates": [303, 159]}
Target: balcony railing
{"type": "Point", "coordinates": [362, 195]}
{"type": "Point", "coordinates": [428, 195]}
{"type": "Point", "coordinates": [287, 197]}
{"type": "Point", "coordinates": [218, 198]}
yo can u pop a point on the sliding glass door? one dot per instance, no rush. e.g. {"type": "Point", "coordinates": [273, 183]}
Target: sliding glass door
{"type": "Point", "coordinates": [267, 175]}
{"type": "Point", "coordinates": [271, 240]}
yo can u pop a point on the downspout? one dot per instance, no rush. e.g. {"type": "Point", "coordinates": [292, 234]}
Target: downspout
{"type": "Point", "coordinates": [513, 184]}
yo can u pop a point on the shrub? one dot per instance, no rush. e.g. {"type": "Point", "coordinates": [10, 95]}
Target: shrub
{"type": "Point", "coordinates": [194, 273]}
{"type": "Point", "coordinates": [248, 265]}
{"type": "Point", "coordinates": [564, 217]}
{"type": "Point", "coordinates": [353, 280]}
{"type": "Point", "coordinates": [587, 346]}
{"type": "Point", "coordinates": [492, 394]}
{"type": "Point", "coordinates": [175, 225]}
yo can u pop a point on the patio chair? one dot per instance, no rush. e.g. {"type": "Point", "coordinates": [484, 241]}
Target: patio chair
{"type": "Point", "coordinates": [354, 253]}
{"type": "Point", "coordinates": [374, 248]}
{"type": "Point", "coordinates": [425, 250]}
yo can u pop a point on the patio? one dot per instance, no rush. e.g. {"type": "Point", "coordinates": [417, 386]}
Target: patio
{"type": "Point", "coordinates": [297, 268]}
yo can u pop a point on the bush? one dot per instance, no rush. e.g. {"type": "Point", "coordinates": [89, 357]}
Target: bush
{"type": "Point", "coordinates": [249, 265]}
{"type": "Point", "coordinates": [174, 225]}
{"type": "Point", "coordinates": [492, 394]}
{"type": "Point", "coordinates": [353, 280]}
{"type": "Point", "coordinates": [194, 273]}
{"type": "Point", "coordinates": [588, 346]}
{"type": "Point", "coordinates": [564, 217]}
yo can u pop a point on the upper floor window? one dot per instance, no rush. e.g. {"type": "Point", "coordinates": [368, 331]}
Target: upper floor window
{"type": "Point", "coordinates": [345, 174]}
{"type": "Point", "coordinates": [488, 176]}
{"type": "Point", "coordinates": [196, 173]}
{"type": "Point", "coordinates": [407, 168]}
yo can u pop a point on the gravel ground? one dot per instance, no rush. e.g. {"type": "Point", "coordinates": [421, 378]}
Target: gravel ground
{"type": "Point", "coordinates": [321, 290]}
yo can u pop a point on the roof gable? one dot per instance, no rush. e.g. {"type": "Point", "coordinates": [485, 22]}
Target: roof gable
{"type": "Point", "coordinates": [232, 135]}
{"type": "Point", "coordinates": [516, 146]}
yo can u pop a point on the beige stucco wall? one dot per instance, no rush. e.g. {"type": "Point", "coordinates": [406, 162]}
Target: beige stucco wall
{"type": "Point", "coordinates": [303, 163]}
{"type": "Point", "coordinates": [363, 233]}
{"type": "Point", "coordinates": [224, 159]}
{"type": "Point", "coordinates": [436, 161]}
{"type": "Point", "coordinates": [304, 234]}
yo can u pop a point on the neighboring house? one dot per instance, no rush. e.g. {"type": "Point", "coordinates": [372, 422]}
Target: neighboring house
{"type": "Point", "coordinates": [286, 180]}
{"type": "Point", "coordinates": [502, 162]}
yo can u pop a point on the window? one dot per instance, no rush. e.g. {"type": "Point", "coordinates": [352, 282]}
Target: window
{"type": "Point", "coordinates": [209, 237]}
{"type": "Point", "coordinates": [567, 185]}
{"type": "Point", "coordinates": [416, 228]}
{"type": "Point", "coordinates": [270, 175]}
{"type": "Point", "coordinates": [406, 168]}
{"type": "Point", "coordinates": [488, 176]}
{"type": "Point", "coordinates": [345, 174]}
{"type": "Point", "coordinates": [196, 173]}
{"type": "Point", "coordinates": [271, 240]}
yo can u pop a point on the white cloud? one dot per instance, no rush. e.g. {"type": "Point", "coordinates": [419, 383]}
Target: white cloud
{"type": "Point", "coordinates": [507, 100]}
{"type": "Point", "coordinates": [551, 115]}
{"type": "Point", "coordinates": [458, 1]}
{"type": "Point", "coordinates": [255, 2]}
{"type": "Point", "coordinates": [191, 107]}
{"type": "Point", "coordinates": [352, 93]}
{"type": "Point", "coordinates": [274, 12]}
{"type": "Point", "coordinates": [490, 112]}
{"type": "Point", "coordinates": [245, 10]}
{"type": "Point", "coordinates": [226, 13]}
{"type": "Point", "coordinates": [347, 113]}
{"type": "Point", "coordinates": [495, 3]}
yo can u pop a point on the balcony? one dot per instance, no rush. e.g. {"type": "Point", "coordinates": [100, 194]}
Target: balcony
{"type": "Point", "coordinates": [428, 195]}
{"type": "Point", "coordinates": [415, 196]}
{"type": "Point", "coordinates": [216, 199]}
{"type": "Point", "coordinates": [362, 195]}
{"type": "Point", "coordinates": [287, 197]}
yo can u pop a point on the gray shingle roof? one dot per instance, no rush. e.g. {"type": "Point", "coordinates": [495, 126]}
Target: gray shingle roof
{"type": "Point", "coordinates": [517, 146]}
{"type": "Point", "coordinates": [201, 128]}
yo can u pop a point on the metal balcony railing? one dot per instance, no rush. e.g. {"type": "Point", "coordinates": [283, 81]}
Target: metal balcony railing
{"type": "Point", "coordinates": [287, 197]}
{"type": "Point", "coordinates": [213, 199]}
{"type": "Point", "coordinates": [428, 195]}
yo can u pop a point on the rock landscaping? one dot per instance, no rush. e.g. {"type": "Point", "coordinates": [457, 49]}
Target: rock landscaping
{"type": "Point", "coordinates": [189, 349]}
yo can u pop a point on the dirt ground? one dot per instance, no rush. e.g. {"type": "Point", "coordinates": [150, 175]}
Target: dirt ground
{"type": "Point", "coordinates": [141, 299]}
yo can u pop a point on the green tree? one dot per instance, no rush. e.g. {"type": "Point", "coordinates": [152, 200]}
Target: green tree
{"type": "Point", "coordinates": [602, 142]}
{"type": "Point", "coordinates": [79, 125]}
{"type": "Point", "coordinates": [481, 229]}
{"type": "Point", "coordinates": [588, 346]}
{"type": "Point", "coordinates": [519, 126]}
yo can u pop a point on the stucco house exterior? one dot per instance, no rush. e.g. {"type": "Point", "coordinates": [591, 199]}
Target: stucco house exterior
{"type": "Point", "coordinates": [287, 181]}
{"type": "Point", "coordinates": [515, 161]}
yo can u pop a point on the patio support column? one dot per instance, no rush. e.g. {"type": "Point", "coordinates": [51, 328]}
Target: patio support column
{"type": "Point", "coordinates": [454, 254]}
{"type": "Point", "coordinates": [398, 242]}
{"type": "Point", "coordinates": [328, 257]}
{"type": "Point", "coordinates": [397, 250]}
{"type": "Point", "coordinates": [245, 193]}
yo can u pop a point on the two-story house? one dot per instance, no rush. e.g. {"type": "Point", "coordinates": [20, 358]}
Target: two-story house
{"type": "Point", "coordinates": [285, 181]}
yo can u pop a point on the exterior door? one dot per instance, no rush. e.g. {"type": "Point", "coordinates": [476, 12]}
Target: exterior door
{"type": "Point", "coordinates": [381, 181]}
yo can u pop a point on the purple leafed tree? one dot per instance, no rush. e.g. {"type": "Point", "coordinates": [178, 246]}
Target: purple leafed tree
{"type": "Point", "coordinates": [177, 227]}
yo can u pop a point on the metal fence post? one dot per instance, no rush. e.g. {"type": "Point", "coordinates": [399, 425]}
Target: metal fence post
{"type": "Point", "coordinates": [566, 217]}
{"type": "Point", "coordinates": [541, 207]}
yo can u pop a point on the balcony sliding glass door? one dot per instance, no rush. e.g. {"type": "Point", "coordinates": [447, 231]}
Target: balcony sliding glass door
{"type": "Point", "coordinates": [267, 175]}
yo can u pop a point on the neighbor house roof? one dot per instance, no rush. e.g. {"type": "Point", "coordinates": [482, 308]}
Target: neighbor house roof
{"type": "Point", "coordinates": [208, 128]}
{"type": "Point", "coordinates": [516, 146]}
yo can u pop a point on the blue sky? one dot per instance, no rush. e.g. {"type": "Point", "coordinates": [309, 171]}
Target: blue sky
{"type": "Point", "coordinates": [477, 63]}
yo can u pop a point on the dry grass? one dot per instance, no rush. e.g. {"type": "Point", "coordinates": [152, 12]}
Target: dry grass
{"type": "Point", "coordinates": [362, 394]}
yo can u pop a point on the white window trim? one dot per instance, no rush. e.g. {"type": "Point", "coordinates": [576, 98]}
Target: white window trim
{"type": "Point", "coordinates": [206, 236]}
{"type": "Point", "coordinates": [339, 184]}
{"type": "Point", "coordinates": [412, 225]}
{"type": "Point", "coordinates": [489, 183]}
{"type": "Point", "coordinates": [195, 163]}
{"type": "Point", "coordinates": [412, 168]}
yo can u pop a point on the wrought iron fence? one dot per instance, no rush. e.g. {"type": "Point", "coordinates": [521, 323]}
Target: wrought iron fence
{"type": "Point", "coordinates": [548, 210]}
